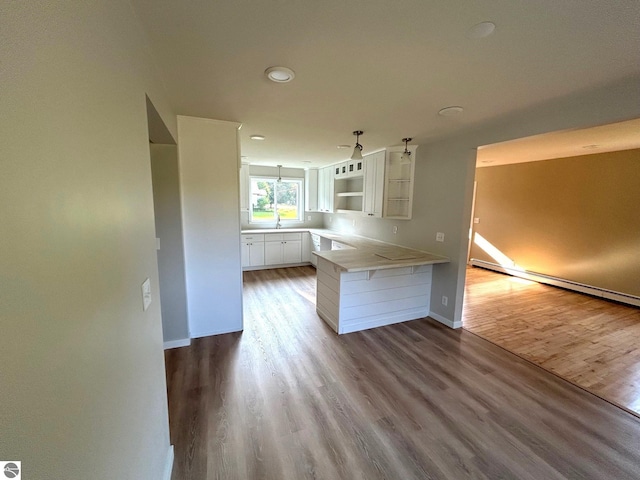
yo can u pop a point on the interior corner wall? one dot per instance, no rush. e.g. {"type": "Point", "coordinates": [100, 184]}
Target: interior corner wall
{"type": "Point", "coordinates": [82, 375]}
{"type": "Point", "coordinates": [572, 218]}
{"type": "Point", "coordinates": [209, 161]}
{"type": "Point", "coordinates": [168, 222]}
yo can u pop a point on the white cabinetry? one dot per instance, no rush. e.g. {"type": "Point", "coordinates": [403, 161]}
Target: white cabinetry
{"type": "Point", "coordinates": [282, 248]}
{"type": "Point", "coordinates": [398, 184]}
{"type": "Point", "coordinates": [306, 247]}
{"type": "Point", "coordinates": [252, 250]}
{"type": "Point", "coordinates": [311, 190]}
{"type": "Point", "coordinates": [373, 184]}
{"type": "Point", "coordinates": [325, 189]}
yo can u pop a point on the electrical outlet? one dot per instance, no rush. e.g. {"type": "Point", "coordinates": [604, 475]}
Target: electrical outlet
{"type": "Point", "coordinates": [309, 217]}
{"type": "Point", "coordinates": [439, 237]}
{"type": "Point", "coordinates": [395, 229]}
{"type": "Point", "coordinates": [476, 220]}
{"type": "Point", "coordinates": [445, 300]}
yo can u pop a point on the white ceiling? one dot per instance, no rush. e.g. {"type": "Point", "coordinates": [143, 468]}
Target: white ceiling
{"type": "Point", "coordinates": [382, 66]}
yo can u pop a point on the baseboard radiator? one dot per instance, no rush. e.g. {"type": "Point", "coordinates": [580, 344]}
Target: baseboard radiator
{"type": "Point", "coordinates": [559, 282]}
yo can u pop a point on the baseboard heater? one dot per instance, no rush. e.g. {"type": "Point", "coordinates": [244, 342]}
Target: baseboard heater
{"type": "Point", "coordinates": [559, 282]}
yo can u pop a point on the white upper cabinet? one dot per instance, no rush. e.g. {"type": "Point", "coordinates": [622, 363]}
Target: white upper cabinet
{"type": "Point", "coordinates": [311, 190]}
{"type": "Point", "coordinates": [325, 189]}
{"type": "Point", "coordinates": [373, 184]}
{"type": "Point", "coordinates": [398, 183]}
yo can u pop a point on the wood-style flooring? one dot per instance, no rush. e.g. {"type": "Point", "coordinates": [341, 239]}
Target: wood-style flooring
{"type": "Point", "coordinates": [289, 399]}
{"type": "Point", "coordinates": [589, 341]}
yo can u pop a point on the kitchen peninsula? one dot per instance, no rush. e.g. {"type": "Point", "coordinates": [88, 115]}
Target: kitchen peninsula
{"type": "Point", "coordinates": [372, 283]}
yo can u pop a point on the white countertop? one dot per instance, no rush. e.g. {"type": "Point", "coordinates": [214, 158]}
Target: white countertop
{"type": "Point", "coordinates": [367, 254]}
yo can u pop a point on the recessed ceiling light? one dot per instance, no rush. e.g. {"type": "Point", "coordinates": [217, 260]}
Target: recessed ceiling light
{"type": "Point", "coordinates": [344, 146]}
{"type": "Point", "coordinates": [450, 111]}
{"type": "Point", "coordinates": [280, 74]}
{"type": "Point", "coordinates": [306, 161]}
{"type": "Point", "coordinates": [481, 30]}
{"type": "Point", "coordinates": [486, 161]}
{"type": "Point", "coordinates": [257, 137]}
{"type": "Point", "coordinates": [591, 147]}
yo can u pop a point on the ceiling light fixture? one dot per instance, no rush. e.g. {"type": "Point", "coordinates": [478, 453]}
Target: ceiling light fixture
{"type": "Point", "coordinates": [357, 150]}
{"type": "Point", "coordinates": [279, 176]}
{"type": "Point", "coordinates": [257, 137]}
{"type": "Point", "coordinates": [450, 111]}
{"type": "Point", "coordinates": [344, 146]}
{"type": "Point", "coordinates": [280, 74]}
{"type": "Point", "coordinates": [481, 30]}
{"type": "Point", "coordinates": [406, 155]}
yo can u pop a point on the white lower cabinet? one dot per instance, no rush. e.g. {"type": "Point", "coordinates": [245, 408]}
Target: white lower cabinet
{"type": "Point", "coordinates": [282, 248]}
{"type": "Point", "coordinates": [252, 252]}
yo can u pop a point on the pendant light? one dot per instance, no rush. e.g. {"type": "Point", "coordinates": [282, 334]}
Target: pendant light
{"type": "Point", "coordinates": [357, 150]}
{"type": "Point", "coordinates": [279, 176]}
{"type": "Point", "coordinates": [406, 155]}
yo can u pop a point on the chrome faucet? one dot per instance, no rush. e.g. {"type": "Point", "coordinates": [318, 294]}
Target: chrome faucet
{"type": "Point", "coordinates": [278, 223]}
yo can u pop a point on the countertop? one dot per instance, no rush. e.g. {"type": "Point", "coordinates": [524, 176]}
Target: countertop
{"type": "Point", "coordinates": [367, 254]}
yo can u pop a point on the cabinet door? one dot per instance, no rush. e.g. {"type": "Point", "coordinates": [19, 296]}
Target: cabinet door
{"type": "Point", "coordinates": [256, 254]}
{"type": "Point", "coordinates": [245, 254]}
{"type": "Point", "coordinates": [292, 251]}
{"type": "Point", "coordinates": [373, 184]}
{"type": "Point", "coordinates": [328, 189]}
{"type": "Point", "coordinates": [306, 247]}
{"type": "Point", "coordinates": [311, 190]}
{"type": "Point", "coordinates": [273, 253]}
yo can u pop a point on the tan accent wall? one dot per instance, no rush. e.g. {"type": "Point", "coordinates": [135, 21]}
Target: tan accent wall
{"type": "Point", "coordinates": [573, 218]}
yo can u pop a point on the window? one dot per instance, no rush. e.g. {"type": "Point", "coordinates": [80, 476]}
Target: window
{"type": "Point", "coordinates": [270, 198]}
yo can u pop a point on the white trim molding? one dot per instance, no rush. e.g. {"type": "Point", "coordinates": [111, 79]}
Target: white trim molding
{"type": "Point", "coordinates": [181, 342]}
{"type": "Point", "coordinates": [168, 464]}
{"type": "Point", "coordinates": [445, 320]}
{"type": "Point", "coordinates": [560, 282]}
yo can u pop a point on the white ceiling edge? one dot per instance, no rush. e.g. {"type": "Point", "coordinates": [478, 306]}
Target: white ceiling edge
{"type": "Point", "coordinates": [562, 144]}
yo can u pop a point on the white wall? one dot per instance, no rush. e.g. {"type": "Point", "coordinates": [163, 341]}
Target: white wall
{"type": "Point", "coordinates": [168, 222]}
{"type": "Point", "coordinates": [209, 182]}
{"type": "Point", "coordinates": [444, 182]}
{"type": "Point", "coordinates": [82, 380]}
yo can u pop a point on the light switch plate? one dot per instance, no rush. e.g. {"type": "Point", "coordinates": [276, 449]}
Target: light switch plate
{"type": "Point", "coordinates": [146, 294]}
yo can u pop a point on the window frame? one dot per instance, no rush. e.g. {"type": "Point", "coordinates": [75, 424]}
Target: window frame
{"type": "Point", "coordinates": [274, 179]}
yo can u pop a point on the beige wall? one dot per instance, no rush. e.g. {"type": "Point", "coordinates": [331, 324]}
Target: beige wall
{"type": "Point", "coordinates": [573, 218]}
{"type": "Point", "coordinates": [82, 383]}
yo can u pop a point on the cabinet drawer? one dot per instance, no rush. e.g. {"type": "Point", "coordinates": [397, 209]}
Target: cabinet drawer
{"type": "Point", "coordinates": [254, 237]}
{"type": "Point", "coordinates": [273, 237]}
{"type": "Point", "coordinates": [292, 236]}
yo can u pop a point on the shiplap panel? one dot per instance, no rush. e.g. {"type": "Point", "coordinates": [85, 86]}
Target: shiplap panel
{"type": "Point", "coordinates": [377, 283]}
{"type": "Point", "coordinates": [355, 325]}
{"type": "Point", "coordinates": [379, 296]}
{"type": "Point", "coordinates": [327, 268]}
{"type": "Point", "coordinates": [387, 306]}
{"type": "Point", "coordinates": [328, 295]}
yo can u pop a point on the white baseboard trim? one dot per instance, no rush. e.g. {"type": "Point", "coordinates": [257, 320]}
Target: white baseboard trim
{"type": "Point", "coordinates": [445, 320]}
{"type": "Point", "coordinates": [214, 332]}
{"type": "Point", "coordinates": [271, 267]}
{"type": "Point", "coordinates": [560, 282]}
{"type": "Point", "coordinates": [168, 464]}
{"type": "Point", "coordinates": [181, 342]}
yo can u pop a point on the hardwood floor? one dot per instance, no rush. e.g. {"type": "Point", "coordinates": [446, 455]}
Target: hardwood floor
{"type": "Point", "coordinates": [591, 342]}
{"type": "Point", "coordinates": [289, 399]}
